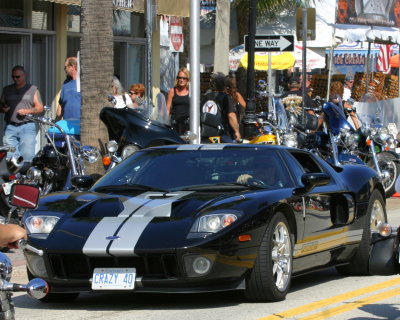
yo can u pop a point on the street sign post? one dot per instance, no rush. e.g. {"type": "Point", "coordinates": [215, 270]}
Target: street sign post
{"type": "Point", "coordinates": [270, 43]}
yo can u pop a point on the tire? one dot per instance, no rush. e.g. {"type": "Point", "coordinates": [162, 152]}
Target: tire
{"type": "Point", "coordinates": [376, 214]}
{"type": "Point", "coordinates": [270, 278]}
{"type": "Point", "coordinates": [55, 297]}
{"type": "Point", "coordinates": [7, 311]}
{"type": "Point", "coordinates": [387, 162]}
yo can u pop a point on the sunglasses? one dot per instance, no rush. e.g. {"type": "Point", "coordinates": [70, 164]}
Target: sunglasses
{"type": "Point", "coordinates": [182, 78]}
{"type": "Point", "coordinates": [131, 92]}
{"type": "Point", "coordinates": [15, 77]}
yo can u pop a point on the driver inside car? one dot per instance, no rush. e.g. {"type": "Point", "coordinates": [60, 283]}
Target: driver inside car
{"type": "Point", "coordinates": [264, 174]}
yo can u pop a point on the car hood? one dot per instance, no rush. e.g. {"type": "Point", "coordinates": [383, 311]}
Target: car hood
{"type": "Point", "coordinates": [101, 224]}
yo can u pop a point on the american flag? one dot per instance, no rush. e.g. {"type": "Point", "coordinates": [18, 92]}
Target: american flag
{"type": "Point", "coordinates": [382, 62]}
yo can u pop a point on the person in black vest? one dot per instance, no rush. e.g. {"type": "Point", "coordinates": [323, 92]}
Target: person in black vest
{"type": "Point", "coordinates": [178, 102]}
{"type": "Point", "coordinates": [229, 116]}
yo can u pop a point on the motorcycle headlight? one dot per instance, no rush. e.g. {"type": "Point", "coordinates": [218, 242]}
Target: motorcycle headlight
{"type": "Point", "coordinates": [40, 224]}
{"type": "Point", "coordinates": [383, 135]}
{"type": "Point", "coordinates": [112, 146]}
{"type": "Point", "coordinates": [34, 175]}
{"type": "Point", "coordinates": [128, 150]}
{"type": "Point", "coordinates": [91, 154]}
{"type": "Point", "coordinates": [212, 223]}
{"type": "Point", "coordinates": [290, 140]}
{"type": "Point", "coordinates": [350, 139]}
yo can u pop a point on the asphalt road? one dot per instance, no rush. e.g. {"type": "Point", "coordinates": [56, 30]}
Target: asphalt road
{"type": "Point", "coordinates": [320, 295]}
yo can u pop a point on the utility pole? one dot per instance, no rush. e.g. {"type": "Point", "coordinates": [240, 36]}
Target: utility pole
{"type": "Point", "coordinates": [250, 116]}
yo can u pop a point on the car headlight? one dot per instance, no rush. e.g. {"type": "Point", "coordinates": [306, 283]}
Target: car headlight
{"type": "Point", "coordinates": [91, 154]}
{"type": "Point", "coordinates": [290, 140]}
{"type": "Point", "coordinates": [128, 150]}
{"type": "Point", "coordinates": [40, 224]}
{"type": "Point", "coordinates": [212, 223]}
{"type": "Point", "coordinates": [112, 146]}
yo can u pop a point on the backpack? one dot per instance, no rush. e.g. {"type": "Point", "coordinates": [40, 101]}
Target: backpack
{"type": "Point", "coordinates": [211, 116]}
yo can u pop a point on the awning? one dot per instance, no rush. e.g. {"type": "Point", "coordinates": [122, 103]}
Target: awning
{"type": "Point", "coordinates": [383, 35]}
{"type": "Point", "coordinates": [68, 2]}
{"type": "Point", "coordinates": [180, 8]}
{"type": "Point", "coordinates": [279, 61]}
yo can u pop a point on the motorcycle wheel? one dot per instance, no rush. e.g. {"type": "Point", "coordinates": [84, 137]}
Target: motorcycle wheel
{"type": "Point", "coordinates": [6, 306]}
{"type": "Point", "coordinates": [387, 161]}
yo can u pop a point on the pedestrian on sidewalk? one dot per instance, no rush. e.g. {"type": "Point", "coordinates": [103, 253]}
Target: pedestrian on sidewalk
{"type": "Point", "coordinates": [17, 100]}
{"type": "Point", "coordinates": [178, 102]}
{"type": "Point", "coordinates": [69, 104]}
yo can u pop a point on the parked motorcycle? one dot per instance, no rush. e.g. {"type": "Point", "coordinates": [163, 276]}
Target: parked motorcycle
{"type": "Point", "coordinates": [11, 170]}
{"type": "Point", "coordinates": [62, 158]}
{"type": "Point", "coordinates": [24, 197]}
{"type": "Point", "coordinates": [337, 142]}
{"type": "Point", "coordinates": [376, 149]}
{"type": "Point", "coordinates": [129, 131]}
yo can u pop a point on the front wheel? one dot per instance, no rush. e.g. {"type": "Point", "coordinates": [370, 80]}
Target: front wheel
{"type": "Point", "coordinates": [390, 167]}
{"type": "Point", "coordinates": [271, 276]}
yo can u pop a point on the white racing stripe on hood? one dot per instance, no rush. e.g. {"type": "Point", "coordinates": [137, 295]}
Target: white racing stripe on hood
{"type": "Point", "coordinates": [134, 227]}
{"type": "Point", "coordinates": [96, 244]}
{"type": "Point", "coordinates": [142, 210]}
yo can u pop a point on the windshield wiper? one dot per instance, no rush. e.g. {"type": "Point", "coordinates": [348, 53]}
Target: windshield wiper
{"type": "Point", "coordinates": [127, 187]}
{"type": "Point", "coordinates": [223, 186]}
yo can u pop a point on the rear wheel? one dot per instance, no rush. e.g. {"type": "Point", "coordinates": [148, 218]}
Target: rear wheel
{"type": "Point", "coordinates": [270, 278]}
{"type": "Point", "coordinates": [55, 297]}
{"type": "Point", "coordinates": [376, 214]}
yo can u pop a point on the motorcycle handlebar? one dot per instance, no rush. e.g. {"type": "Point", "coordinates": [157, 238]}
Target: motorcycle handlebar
{"type": "Point", "coordinates": [46, 121]}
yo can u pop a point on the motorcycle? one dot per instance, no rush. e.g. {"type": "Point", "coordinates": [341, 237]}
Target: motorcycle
{"type": "Point", "coordinates": [11, 170]}
{"type": "Point", "coordinates": [61, 158]}
{"type": "Point", "coordinates": [24, 197]}
{"type": "Point", "coordinates": [376, 148]}
{"type": "Point", "coordinates": [130, 131]}
{"type": "Point", "coordinates": [337, 143]}
{"type": "Point", "coordinates": [274, 127]}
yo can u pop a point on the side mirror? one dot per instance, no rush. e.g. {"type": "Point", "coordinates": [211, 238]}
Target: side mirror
{"type": "Point", "coordinates": [312, 180]}
{"type": "Point", "coordinates": [24, 196]}
{"type": "Point", "coordinates": [82, 182]}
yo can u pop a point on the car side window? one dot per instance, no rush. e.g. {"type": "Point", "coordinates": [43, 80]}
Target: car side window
{"type": "Point", "coordinates": [300, 163]}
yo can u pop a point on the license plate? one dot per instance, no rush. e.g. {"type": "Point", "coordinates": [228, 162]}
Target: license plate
{"type": "Point", "coordinates": [113, 279]}
{"type": "Point", "coordinates": [397, 150]}
{"type": "Point", "coordinates": [7, 187]}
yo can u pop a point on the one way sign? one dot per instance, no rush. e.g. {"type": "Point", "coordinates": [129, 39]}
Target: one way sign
{"type": "Point", "coordinates": [269, 43]}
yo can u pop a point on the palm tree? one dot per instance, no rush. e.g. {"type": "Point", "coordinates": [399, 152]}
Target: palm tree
{"type": "Point", "coordinates": [97, 69]}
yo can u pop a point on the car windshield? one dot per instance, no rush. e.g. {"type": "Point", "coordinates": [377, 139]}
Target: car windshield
{"type": "Point", "coordinates": [201, 170]}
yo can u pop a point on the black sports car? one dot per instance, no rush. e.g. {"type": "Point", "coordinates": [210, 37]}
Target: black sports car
{"type": "Point", "coordinates": [197, 218]}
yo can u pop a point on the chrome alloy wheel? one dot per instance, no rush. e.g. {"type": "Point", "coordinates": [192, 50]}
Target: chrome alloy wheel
{"type": "Point", "coordinates": [281, 256]}
{"type": "Point", "coordinates": [377, 215]}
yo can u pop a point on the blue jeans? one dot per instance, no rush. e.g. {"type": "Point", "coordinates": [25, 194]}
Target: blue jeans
{"type": "Point", "coordinates": [23, 138]}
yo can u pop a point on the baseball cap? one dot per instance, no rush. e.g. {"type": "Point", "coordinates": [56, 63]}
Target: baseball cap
{"type": "Point", "coordinates": [349, 78]}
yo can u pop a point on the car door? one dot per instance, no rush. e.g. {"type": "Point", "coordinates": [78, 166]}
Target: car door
{"type": "Point", "coordinates": [327, 210]}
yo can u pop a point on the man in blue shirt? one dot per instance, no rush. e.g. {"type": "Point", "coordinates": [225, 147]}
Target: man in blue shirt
{"type": "Point", "coordinates": [69, 106]}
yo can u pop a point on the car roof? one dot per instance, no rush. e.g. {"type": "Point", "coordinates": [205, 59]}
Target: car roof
{"type": "Point", "coordinates": [221, 146]}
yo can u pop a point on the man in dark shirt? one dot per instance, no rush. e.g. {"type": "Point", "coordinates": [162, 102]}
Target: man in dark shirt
{"type": "Point", "coordinates": [229, 117]}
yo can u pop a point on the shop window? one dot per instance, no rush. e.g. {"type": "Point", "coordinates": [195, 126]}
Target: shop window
{"type": "Point", "coordinates": [42, 15]}
{"type": "Point", "coordinates": [130, 24]}
{"type": "Point", "coordinates": [74, 18]}
{"type": "Point", "coordinates": [12, 13]}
